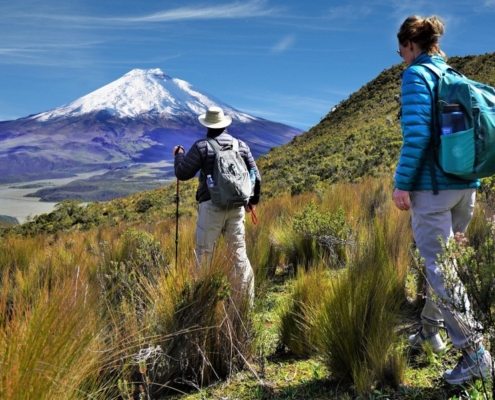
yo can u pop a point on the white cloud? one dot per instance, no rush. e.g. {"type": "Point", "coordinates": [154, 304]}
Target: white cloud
{"type": "Point", "coordinates": [228, 11]}
{"type": "Point", "coordinates": [284, 44]}
{"type": "Point", "coordinates": [254, 8]}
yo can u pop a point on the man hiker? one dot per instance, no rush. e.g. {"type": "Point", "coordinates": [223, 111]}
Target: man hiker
{"type": "Point", "coordinates": [214, 219]}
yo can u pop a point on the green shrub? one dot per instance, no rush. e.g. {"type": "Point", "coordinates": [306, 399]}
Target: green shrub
{"type": "Point", "coordinates": [474, 268]}
{"type": "Point", "coordinates": [322, 235]}
{"type": "Point", "coordinates": [135, 260]}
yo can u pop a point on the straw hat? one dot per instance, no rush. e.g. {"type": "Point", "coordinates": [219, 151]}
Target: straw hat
{"type": "Point", "coordinates": [215, 118]}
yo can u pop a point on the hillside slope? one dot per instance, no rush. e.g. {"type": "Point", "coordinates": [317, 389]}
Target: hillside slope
{"type": "Point", "coordinates": [360, 137]}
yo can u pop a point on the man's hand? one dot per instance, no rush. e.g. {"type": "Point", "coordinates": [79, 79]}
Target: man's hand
{"type": "Point", "coordinates": [177, 149]}
{"type": "Point", "coordinates": [249, 207]}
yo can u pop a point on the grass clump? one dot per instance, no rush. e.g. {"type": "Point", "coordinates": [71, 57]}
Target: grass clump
{"type": "Point", "coordinates": [52, 349]}
{"type": "Point", "coordinates": [298, 312]}
{"type": "Point", "coordinates": [355, 327]}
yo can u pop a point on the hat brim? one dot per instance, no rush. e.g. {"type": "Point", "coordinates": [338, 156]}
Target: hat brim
{"type": "Point", "coordinates": [226, 121]}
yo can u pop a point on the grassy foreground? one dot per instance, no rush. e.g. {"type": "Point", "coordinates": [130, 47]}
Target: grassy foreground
{"type": "Point", "coordinates": [107, 313]}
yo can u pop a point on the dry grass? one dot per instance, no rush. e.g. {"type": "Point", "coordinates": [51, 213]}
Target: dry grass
{"type": "Point", "coordinates": [108, 312]}
{"type": "Point", "coordinates": [52, 348]}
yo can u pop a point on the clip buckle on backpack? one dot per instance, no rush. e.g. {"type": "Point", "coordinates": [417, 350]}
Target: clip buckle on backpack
{"type": "Point", "coordinates": [232, 186]}
{"type": "Point", "coordinates": [468, 154]}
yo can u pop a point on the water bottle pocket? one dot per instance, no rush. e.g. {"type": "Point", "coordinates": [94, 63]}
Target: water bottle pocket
{"type": "Point", "coordinates": [216, 196]}
{"type": "Point", "coordinates": [457, 152]}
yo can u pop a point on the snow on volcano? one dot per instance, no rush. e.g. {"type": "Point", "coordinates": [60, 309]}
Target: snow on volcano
{"type": "Point", "coordinates": [143, 92]}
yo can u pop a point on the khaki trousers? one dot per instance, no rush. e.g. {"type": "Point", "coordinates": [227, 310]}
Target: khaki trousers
{"type": "Point", "coordinates": [213, 221]}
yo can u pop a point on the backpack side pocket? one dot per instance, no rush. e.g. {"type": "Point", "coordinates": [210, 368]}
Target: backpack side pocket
{"type": "Point", "coordinates": [457, 152]}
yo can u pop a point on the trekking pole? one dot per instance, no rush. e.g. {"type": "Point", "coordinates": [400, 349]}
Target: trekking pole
{"type": "Point", "coordinates": [177, 225]}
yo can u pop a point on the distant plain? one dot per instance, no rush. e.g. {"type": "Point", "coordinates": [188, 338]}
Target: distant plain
{"type": "Point", "coordinates": [14, 204]}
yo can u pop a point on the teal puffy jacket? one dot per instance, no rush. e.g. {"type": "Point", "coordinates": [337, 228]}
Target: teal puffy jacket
{"type": "Point", "coordinates": [413, 169]}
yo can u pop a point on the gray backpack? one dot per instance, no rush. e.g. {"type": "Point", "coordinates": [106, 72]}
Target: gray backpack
{"type": "Point", "coordinates": [231, 186]}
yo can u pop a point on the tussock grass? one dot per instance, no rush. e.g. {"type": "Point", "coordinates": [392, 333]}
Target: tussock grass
{"type": "Point", "coordinates": [264, 254]}
{"type": "Point", "coordinates": [51, 349]}
{"type": "Point", "coordinates": [478, 229]}
{"type": "Point", "coordinates": [350, 317]}
{"type": "Point", "coordinates": [298, 313]}
{"type": "Point", "coordinates": [201, 325]}
{"type": "Point", "coordinates": [355, 326]}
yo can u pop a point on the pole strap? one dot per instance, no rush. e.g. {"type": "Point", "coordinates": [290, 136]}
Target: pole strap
{"type": "Point", "coordinates": [254, 217]}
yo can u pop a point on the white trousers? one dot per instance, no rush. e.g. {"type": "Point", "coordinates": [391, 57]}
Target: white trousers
{"type": "Point", "coordinates": [213, 221]}
{"type": "Point", "coordinates": [435, 216]}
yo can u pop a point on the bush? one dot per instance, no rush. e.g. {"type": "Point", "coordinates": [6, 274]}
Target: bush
{"type": "Point", "coordinates": [137, 259]}
{"type": "Point", "coordinates": [320, 237]}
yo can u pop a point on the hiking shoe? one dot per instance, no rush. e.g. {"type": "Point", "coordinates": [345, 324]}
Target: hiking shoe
{"type": "Point", "coordinates": [468, 368]}
{"type": "Point", "coordinates": [416, 341]}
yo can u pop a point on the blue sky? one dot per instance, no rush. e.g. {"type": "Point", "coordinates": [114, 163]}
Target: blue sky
{"type": "Point", "coordinates": [289, 61]}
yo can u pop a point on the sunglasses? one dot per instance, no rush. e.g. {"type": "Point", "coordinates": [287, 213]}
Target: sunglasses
{"type": "Point", "coordinates": [399, 52]}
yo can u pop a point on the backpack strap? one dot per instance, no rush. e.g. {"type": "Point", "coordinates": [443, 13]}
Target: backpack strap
{"type": "Point", "coordinates": [434, 139]}
{"type": "Point", "coordinates": [235, 144]}
{"type": "Point", "coordinates": [433, 68]}
{"type": "Point", "coordinates": [439, 72]}
{"type": "Point", "coordinates": [214, 145]}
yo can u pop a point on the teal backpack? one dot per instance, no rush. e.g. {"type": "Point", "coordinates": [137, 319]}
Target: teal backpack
{"type": "Point", "coordinates": [231, 186]}
{"type": "Point", "coordinates": [468, 154]}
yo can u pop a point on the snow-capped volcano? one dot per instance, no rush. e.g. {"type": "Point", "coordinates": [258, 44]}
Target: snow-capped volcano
{"type": "Point", "coordinates": [134, 120]}
{"type": "Point", "coordinates": [143, 92]}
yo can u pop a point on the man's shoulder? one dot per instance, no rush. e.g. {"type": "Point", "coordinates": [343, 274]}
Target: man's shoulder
{"type": "Point", "coordinates": [201, 143]}
{"type": "Point", "coordinates": [226, 139]}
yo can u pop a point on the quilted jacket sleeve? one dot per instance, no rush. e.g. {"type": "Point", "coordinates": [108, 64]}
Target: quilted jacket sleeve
{"type": "Point", "coordinates": [188, 165]}
{"type": "Point", "coordinates": [416, 122]}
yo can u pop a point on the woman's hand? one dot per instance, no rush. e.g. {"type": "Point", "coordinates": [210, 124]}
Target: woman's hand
{"type": "Point", "coordinates": [402, 200]}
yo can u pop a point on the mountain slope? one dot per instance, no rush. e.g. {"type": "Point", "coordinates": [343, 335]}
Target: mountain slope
{"type": "Point", "coordinates": [360, 137]}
